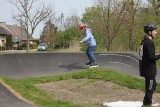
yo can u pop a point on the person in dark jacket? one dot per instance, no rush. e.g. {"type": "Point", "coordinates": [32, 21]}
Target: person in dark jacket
{"type": "Point", "coordinates": [147, 62]}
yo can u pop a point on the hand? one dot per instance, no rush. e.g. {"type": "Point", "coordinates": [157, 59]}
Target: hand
{"type": "Point", "coordinates": [80, 43]}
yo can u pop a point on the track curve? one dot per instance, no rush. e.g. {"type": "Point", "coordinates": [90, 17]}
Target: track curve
{"type": "Point", "coordinates": [41, 64]}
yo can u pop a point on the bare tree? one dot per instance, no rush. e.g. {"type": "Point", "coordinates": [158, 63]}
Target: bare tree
{"type": "Point", "coordinates": [28, 17]}
{"type": "Point", "coordinates": [131, 8]}
{"type": "Point", "coordinates": [111, 16]}
{"type": "Point", "coordinates": [71, 21]}
{"type": "Point", "coordinates": [49, 34]}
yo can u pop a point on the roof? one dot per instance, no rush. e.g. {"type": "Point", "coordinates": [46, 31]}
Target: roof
{"type": "Point", "coordinates": [3, 31]}
{"type": "Point", "coordinates": [17, 31]}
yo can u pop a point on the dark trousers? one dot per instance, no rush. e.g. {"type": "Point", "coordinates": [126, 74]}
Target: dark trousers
{"type": "Point", "coordinates": [150, 86]}
{"type": "Point", "coordinates": [90, 53]}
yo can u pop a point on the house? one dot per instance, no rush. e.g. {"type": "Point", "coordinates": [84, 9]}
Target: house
{"type": "Point", "coordinates": [3, 34]}
{"type": "Point", "coordinates": [18, 33]}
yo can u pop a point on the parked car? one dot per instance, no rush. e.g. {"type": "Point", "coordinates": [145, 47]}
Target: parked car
{"type": "Point", "coordinates": [42, 47]}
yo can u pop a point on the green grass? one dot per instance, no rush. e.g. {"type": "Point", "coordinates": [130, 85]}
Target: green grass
{"type": "Point", "coordinates": [26, 87]}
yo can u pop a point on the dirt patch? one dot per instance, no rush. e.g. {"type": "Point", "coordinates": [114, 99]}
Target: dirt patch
{"type": "Point", "coordinates": [92, 92]}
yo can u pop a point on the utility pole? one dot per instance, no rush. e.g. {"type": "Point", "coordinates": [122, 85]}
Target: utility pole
{"type": "Point", "coordinates": [62, 22]}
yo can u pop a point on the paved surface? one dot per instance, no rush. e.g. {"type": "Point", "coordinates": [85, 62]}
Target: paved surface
{"type": "Point", "coordinates": [41, 64]}
{"type": "Point", "coordinates": [7, 99]}
{"type": "Point", "coordinates": [24, 65]}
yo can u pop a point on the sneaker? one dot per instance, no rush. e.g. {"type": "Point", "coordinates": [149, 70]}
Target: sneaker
{"type": "Point", "coordinates": [93, 65]}
{"type": "Point", "coordinates": [88, 64]}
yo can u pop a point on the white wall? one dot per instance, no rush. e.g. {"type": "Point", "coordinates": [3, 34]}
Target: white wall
{"type": "Point", "coordinates": [2, 38]}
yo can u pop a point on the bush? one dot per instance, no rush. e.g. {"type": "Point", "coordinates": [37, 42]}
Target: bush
{"type": "Point", "coordinates": [19, 48]}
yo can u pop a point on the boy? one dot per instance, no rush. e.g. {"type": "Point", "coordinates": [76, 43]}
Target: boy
{"type": "Point", "coordinates": [91, 43]}
{"type": "Point", "coordinates": [147, 62]}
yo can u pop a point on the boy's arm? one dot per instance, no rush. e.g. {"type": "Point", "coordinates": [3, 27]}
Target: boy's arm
{"type": "Point", "coordinates": [87, 37]}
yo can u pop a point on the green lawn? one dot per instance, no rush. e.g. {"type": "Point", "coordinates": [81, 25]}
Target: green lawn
{"type": "Point", "coordinates": [26, 87]}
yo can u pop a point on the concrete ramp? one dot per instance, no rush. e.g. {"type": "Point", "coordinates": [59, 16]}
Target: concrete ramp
{"type": "Point", "coordinates": [42, 64]}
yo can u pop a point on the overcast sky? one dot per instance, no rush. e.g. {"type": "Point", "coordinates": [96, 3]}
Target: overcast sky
{"type": "Point", "coordinates": [67, 7]}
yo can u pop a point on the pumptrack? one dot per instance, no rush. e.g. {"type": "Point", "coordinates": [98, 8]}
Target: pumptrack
{"type": "Point", "coordinates": [23, 65]}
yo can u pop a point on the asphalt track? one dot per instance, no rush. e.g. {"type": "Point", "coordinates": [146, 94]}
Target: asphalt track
{"type": "Point", "coordinates": [25, 65]}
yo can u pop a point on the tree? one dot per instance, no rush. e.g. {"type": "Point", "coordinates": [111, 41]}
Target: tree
{"type": "Point", "coordinates": [131, 10]}
{"type": "Point", "coordinates": [72, 21]}
{"type": "Point", "coordinates": [49, 33]}
{"type": "Point", "coordinates": [67, 38]}
{"type": "Point", "coordinates": [108, 17]}
{"type": "Point", "coordinates": [28, 17]}
{"type": "Point", "coordinates": [9, 43]}
{"type": "Point", "coordinates": [155, 8]}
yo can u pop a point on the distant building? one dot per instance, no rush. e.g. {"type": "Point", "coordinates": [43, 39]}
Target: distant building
{"type": "Point", "coordinates": [3, 34]}
{"type": "Point", "coordinates": [18, 33]}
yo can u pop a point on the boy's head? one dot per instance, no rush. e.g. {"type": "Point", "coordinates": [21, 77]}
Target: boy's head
{"type": "Point", "coordinates": [82, 27]}
{"type": "Point", "coordinates": [150, 29]}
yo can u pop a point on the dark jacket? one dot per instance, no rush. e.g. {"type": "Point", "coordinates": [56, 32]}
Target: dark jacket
{"type": "Point", "coordinates": [147, 62]}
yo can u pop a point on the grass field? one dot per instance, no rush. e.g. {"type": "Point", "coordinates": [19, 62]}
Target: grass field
{"type": "Point", "coordinates": [27, 89]}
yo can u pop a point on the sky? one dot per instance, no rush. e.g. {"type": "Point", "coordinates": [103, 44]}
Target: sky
{"type": "Point", "coordinates": [67, 7]}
